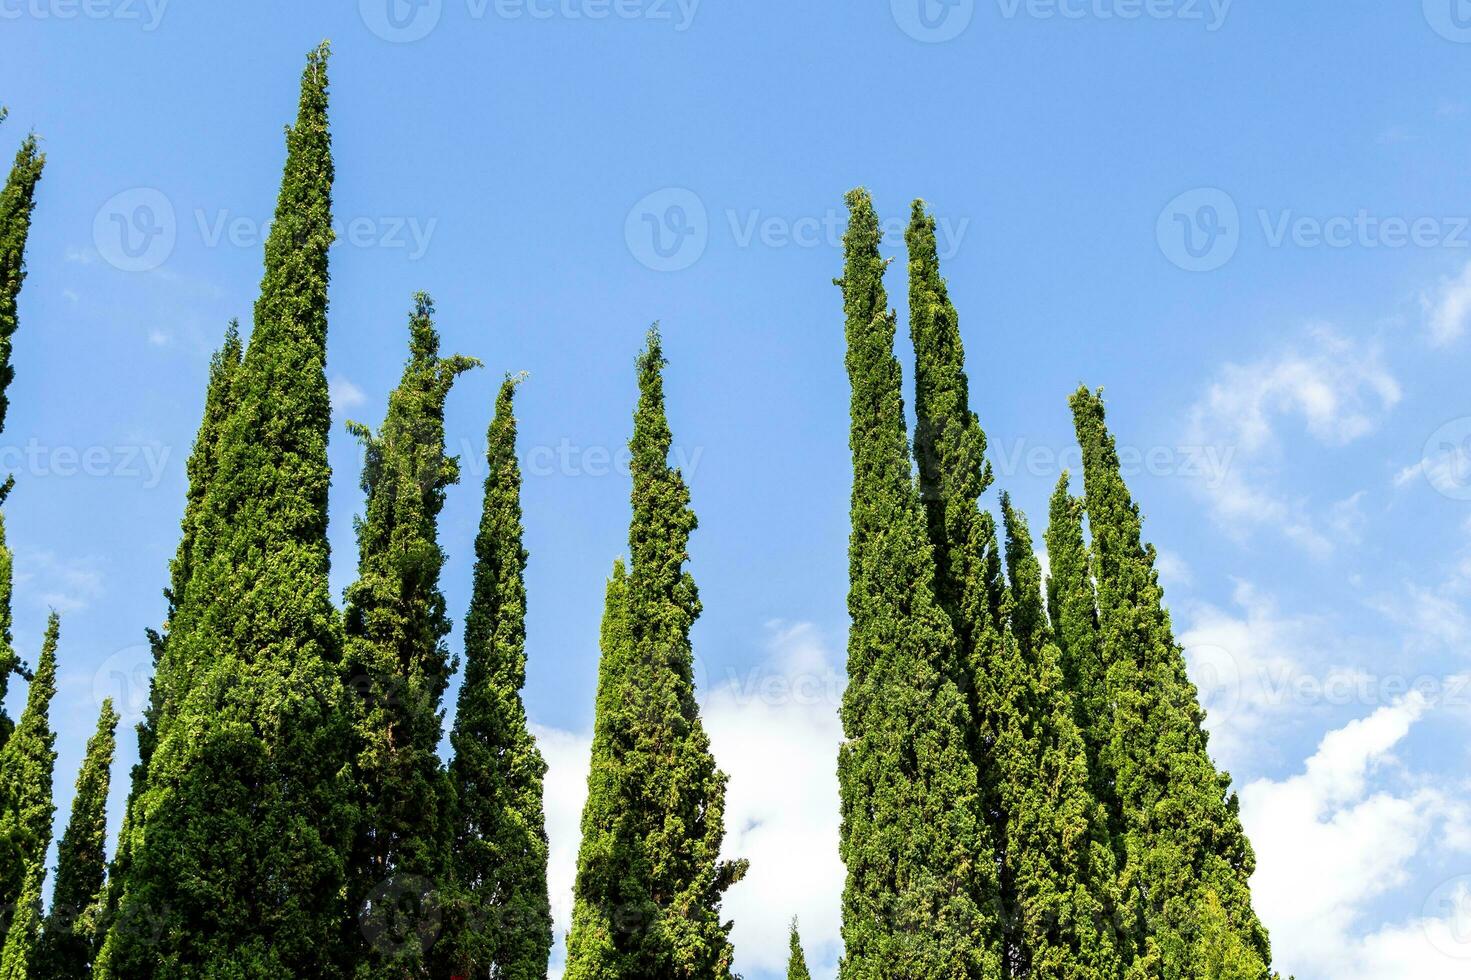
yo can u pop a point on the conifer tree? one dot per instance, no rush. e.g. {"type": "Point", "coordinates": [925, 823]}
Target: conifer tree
{"type": "Point", "coordinates": [26, 765]}
{"type": "Point", "coordinates": [397, 664]}
{"type": "Point", "coordinates": [649, 878]}
{"type": "Point", "coordinates": [503, 921]}
{"type": "Point", "coordinates": [1072, 609]}
{"type": "Point", "coordinates": [919, 901]}
{"type": "Point", "coordinates": [25, 927]}
{"type": "Point", "coordinates": [1060, 877]}
{"type": "Point", "coordinates": [239, 870]}
{"type": "Point", "coordinates": [17, 202]}
{"type": "Point", "coordinates": [797, 964]}
{"type": "Point", "coordinates": [950, 448]}
{"type": "Point", "coordinates": [1185, 850]}
{"type": "Point", "coordinates": [170, 679]}
{"type": "Point", "coordinates": [69, 938]}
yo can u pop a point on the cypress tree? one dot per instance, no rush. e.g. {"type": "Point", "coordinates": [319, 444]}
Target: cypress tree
{"type": "Point", "coordinates": [17, 202]}
{"type": "Point", "coordinates": [247, 811]}
{"type": "Point", "coordinates": [797, 964]}
{"type": "Point", "coordinates": [397, 663]}
{"type": "Point", "coordinates": [1060, 876]}
{"type": "Point", "coordinates": [170, 679]}
{"type": "Point", "coordinates": [503, 924]}
{"type": "Point", "coordinates": [26, 765]}
{"type": "Point", "coordinates": [69, 938]}
{"type": "Point", "coordinates": [921, 873]}
{"type": "Point", "coordinates": [650, 879]}
{"type": "Point", "coordinates": [25, 926]}
{"type": "Point", "coordinates": [1072, 608]}
{"type": "Point", "coordinates": [1185, 850]}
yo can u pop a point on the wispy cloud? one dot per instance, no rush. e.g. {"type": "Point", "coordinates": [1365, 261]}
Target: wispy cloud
{"type": "Point", "coordinates": [1448, 308]}
{"type": "Point", "coordinates": [344, 394]}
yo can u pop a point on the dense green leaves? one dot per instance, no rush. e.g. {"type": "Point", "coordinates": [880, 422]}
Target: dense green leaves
{"type": "Point", "coordinates": [1187, 859]}
{"type": "Point", "coordinates": [70, 937]}
{"type": "Point", "coordinates": [500, 924]}
{"type": "Point", "coordinates": [397, 665]}
{"type": "Point", "coordinates": [27, 763]}
{"type": "Point", "coordinates": [797, 963]}
{"type": "Point", "coordinates": [649, 877]}
{"type": "Point", "coordinates": [239, 870]}
{"type": "Point", "coordinates": [919, 901]}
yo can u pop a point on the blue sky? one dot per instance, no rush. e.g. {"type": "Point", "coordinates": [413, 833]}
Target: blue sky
{"type": "Point", "coordinates": [1249, 221]}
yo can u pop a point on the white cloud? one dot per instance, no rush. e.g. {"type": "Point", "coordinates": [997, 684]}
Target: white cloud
{"type": "Point", "coordinates": [775, 732]}
{"type": "Point", "coordinates": [1333, 839]}
{"type": "Point", "coordinates": [344, 394]}
{"type": "Point", "coordinates": [1336, 389]}
{"type": "Point", "coordinates": [1448, 308]}
{"type": "Point", "coordinates": [63, 584]}
{"type": "Point", "coordinates": [158, 338]}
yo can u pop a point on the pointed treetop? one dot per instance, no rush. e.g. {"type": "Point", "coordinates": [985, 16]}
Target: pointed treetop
{"type": "Point", "coordinates": [1028, 619]}
{"type": "Point", "coordinates": [797, 963]}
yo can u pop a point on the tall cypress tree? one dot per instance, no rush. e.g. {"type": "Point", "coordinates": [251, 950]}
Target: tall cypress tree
{"type": "Point", "coordinates": [170, 679]}
{"type": "Point", "coordinates": [921, 874]}
{"type": "Point", "coordinates": [17, 202]}
{"type": "Point", "coordinates": [1072, 608]}
{"type": "Point", "coordinates": [797, 962]}
{"type": "Point", "coordinates": [1061, 873]}
{"type": "Point", "coordinates": [503, 920]}
{"type": "Point", "coordinates": [650, 879]}
{"type": "Point", "coordinates": [26, 765]}
{"type": "Point", "coordinates": [247, 812]}
{"type": "Point", "coordinates": [1186, 853]}
{"type": "Point", "coordinates": [69, 938]}
{"type": "Point", "coordinates": [397, 663]}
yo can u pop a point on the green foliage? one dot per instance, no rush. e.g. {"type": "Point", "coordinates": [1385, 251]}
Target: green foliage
{"type": "Point", "coordinates": [27, 763]}
{"type": "Point", "coordinates": [1182, 838]}
{"type": "Point", "coordinates": [501, 925]}
{"type": "Point", "coordinates": [1059, 863]}
{"type": "Point", "coordinates": [239, 868]}
{"type": "Point", "coordinates": [921, 886]}
{"type": "Point", "coordinates": [70, 938]}
{"type": "Point", "coordinates": [797, 964]}
{"type": "Point", "coordinates": [17, 202]}
{"type": "Point", "coordinates": [170, 681]}
{"type": "Point", "coordinates": [649, 877]}
{"type": "Point", "coordinates": [25, 926]}
{"type": "Point", "coordinates": [397, 665]}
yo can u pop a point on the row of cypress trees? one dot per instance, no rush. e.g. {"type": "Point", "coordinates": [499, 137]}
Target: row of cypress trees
{"type": "Point", "coordinates": [1026, 789]}
{"type": "Point", "coordinates": [1025, 784]}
